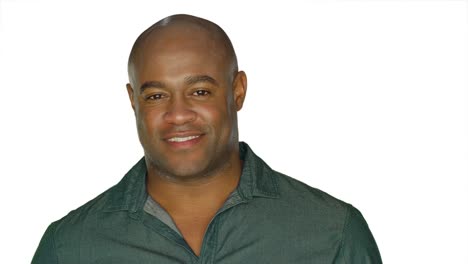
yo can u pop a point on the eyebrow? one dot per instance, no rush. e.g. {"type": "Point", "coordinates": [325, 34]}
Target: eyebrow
{"type": "Point", "coordinates": [151, 84]}
{"type": "Point", "coordinates": [189, 80]}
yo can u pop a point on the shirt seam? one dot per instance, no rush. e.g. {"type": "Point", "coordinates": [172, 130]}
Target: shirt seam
{"type": "Point", "coordinates": [53, 243]}
{"type": "Point", "coordinates": [345, 225]}
{"type": "Point", "coordinates": [215, 242]}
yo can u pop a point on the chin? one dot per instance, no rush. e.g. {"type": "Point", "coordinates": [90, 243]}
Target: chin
{"type": "Point", "coordinates": [186, 174]}
{"type": "Point", "coordinates": [182, 169]}
{"type": "Point", "coordinates": [189, 165]}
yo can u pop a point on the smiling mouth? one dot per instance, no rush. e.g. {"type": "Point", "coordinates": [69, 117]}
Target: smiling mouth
{"type": "Point", "coordinates": [182, 139]}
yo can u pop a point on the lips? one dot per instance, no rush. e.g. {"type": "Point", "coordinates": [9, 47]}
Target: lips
{"type": "Point", "coordinates": [182, 139]}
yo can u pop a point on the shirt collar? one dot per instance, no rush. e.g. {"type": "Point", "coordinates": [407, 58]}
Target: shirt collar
{"type": "Point", "coordinates": [257, 180]}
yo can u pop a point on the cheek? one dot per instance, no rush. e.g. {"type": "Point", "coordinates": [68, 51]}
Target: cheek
{"type": "Point", "coordinates": [149, 122]}
{"type": "Point", "coordinates": [216, 116]}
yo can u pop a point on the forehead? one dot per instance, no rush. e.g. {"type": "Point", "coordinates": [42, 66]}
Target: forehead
{"type": "Point", "coordinates": [170, 50]}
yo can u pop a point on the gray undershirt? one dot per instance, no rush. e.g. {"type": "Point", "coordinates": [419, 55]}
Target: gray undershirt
{"type": "Point", "coordinates": [155, 209]}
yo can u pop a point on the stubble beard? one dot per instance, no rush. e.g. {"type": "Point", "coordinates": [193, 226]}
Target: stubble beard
{"type": "Point", "coordinates": [219, 161]}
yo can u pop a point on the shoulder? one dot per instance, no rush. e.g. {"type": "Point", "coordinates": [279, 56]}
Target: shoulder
{"type": "Point", "coordinates": [123, 196]}
{"type": "Point", "coordinates": [68, 236]}
{"type": "Point", "coordinates": [81, 214]}
{"type": "Point", "coordinates": [302, 194]}
{"type": "Point", "coordinates": [305, 209]}
{"type": "Point", "coordinates": [268, 182]}
{"type": "Point", "coordinates": [357, 244]}
{"type": "Point", "coordinates": [67, 231]}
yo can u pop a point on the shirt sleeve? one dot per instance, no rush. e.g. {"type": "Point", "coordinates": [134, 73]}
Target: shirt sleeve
{"type": "Point", "coordinates": [46, 252]}
{"type": "Point", "coordinates": [358, 244]}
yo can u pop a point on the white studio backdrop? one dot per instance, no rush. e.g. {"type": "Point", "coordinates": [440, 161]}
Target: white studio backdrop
{"type": "Point", "coordinates": [366, 100]}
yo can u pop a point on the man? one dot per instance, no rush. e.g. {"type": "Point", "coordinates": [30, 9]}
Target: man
{"type": "Point", "coordinates": [198, 195]}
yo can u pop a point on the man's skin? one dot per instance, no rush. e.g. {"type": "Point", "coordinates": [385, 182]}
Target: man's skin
{"type": "Point", "coordinates": [184, 82]}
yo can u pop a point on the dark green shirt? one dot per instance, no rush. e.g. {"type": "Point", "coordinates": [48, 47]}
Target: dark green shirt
{"type": "Point", "coordinates": [272, 218]}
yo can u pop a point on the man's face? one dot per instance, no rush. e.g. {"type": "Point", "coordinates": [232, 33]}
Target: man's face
{"type": "Point", "coordinates": [186, 100]}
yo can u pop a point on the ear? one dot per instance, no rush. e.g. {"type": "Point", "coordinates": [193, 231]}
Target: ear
{"type": "Point", "coordinates": [239, 89]}
{"type": "Point", "coordinates": [130, 95]}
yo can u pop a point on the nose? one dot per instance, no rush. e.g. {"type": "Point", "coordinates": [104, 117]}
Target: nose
{"type": "Point", "coordinates": [179, 112]}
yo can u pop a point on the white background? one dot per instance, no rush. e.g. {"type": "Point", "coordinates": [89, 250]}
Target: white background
{"type": "Point", "coordinates": [366, 100]}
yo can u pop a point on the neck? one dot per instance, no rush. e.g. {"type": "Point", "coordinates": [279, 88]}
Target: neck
{"type": "Point", "coordinates": [202, 193]}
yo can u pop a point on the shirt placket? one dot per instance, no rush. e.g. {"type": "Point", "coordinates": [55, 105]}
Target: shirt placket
{"type": "Point", "coordinates": [208, 250]}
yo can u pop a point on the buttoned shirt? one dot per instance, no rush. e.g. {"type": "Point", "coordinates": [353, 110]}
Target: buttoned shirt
{"type": "Point", "coordinates": [269, 218]}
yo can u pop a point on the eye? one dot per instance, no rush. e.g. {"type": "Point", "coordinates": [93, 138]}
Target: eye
{"type": "Point", "coordinates": [201, 93]}
{"type": "Point", "coordinates": [154, 97]}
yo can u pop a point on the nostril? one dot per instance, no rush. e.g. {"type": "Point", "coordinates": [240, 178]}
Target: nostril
{"type": "Point", "coordinates": [179, 117]}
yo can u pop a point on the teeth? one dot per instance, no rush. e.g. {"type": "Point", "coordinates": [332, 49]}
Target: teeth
{"type": "Point", "coordinates": [181, 139]}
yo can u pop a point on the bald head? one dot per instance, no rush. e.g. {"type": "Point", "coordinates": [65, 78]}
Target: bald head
{"type": "Point", "coordinates": [182, 32]}
{"type": "Point", "coordinates": [185, 85]}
